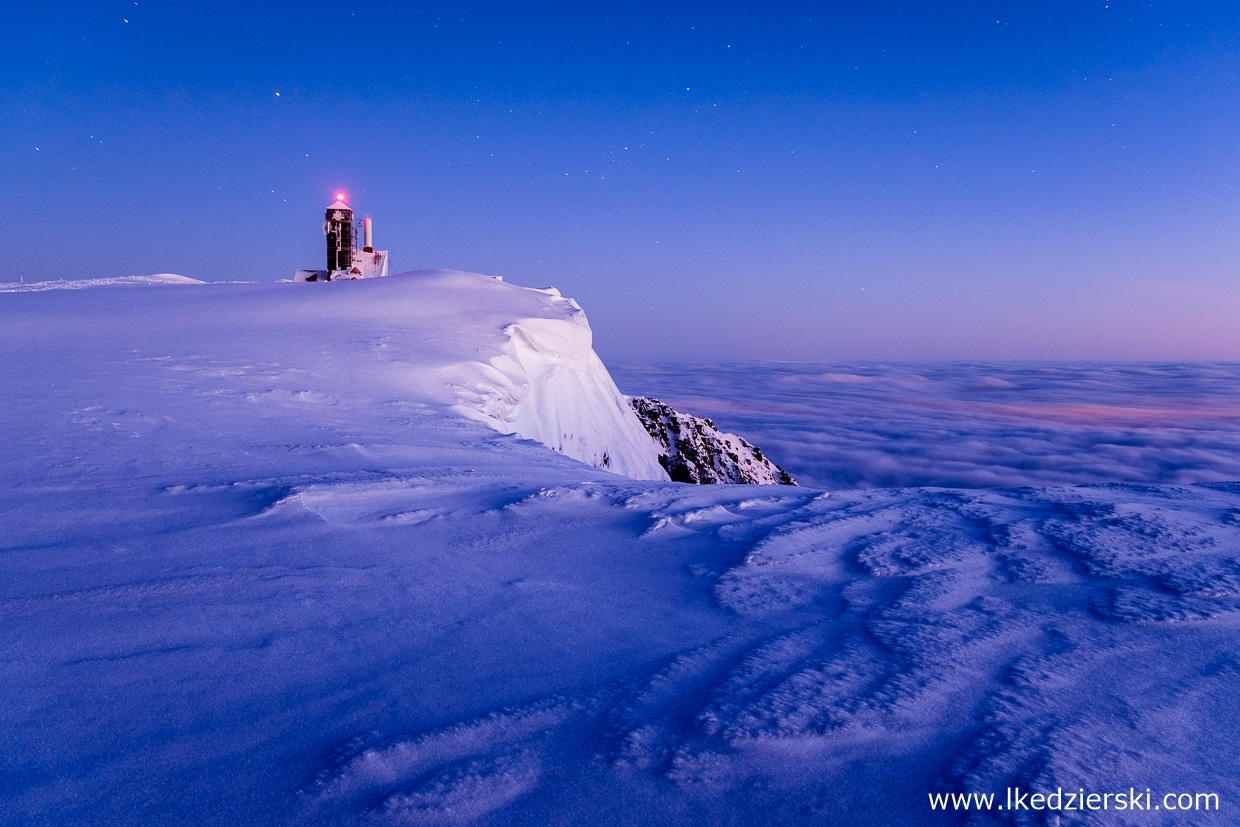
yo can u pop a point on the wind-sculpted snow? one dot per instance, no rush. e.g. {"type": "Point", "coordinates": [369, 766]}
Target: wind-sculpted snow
{"type": "Point", "coordinates": [254, 570]}
{"type": "Point", "coordinates": [548, 385]}
{"type": "Point", "coordinates": [883, 646]}
{"type": "Point", "coordinates": [972, 425]}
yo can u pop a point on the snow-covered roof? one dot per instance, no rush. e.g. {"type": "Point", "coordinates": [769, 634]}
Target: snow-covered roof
{"type": "Point", "coordinates": [339, 205]}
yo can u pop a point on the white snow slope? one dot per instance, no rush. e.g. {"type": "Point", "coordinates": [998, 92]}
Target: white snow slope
{"type": "Point", "coordinates": [519, 359]}
{"type": "Point", "coordinates": [255, 569]}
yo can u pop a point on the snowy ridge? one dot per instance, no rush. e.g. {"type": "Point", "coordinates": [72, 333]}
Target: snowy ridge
{"type": "Point", "coordinates": [694, 450]}
{"type": "Point", "coordinates": [518, 359]}
{"type": "Point", "coordinates": [80, 284]}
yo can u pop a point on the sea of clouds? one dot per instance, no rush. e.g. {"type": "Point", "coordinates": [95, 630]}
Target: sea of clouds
{"type": "Point", "coordinates": [970, 425]}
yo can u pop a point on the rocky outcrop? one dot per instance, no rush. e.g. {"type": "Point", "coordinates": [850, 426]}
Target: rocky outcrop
{"type": "Point", "coordinates": [693, 450]}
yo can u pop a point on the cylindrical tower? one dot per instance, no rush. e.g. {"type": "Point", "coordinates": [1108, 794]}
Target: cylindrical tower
{"type": "Point", "coordinates": [369, 246]}
{"type": "Point", "coordinates": [339, 231]}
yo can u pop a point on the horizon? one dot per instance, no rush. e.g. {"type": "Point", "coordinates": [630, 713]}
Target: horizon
{"type": "Point", "coordinates": [808, 183]}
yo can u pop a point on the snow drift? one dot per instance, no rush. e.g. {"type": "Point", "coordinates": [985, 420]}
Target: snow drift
{"type": "Point", "coordinates": [547, 384]}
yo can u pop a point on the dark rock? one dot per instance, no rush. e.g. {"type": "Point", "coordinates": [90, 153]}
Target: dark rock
{"type": "Point", "coordinates": [694, 450]}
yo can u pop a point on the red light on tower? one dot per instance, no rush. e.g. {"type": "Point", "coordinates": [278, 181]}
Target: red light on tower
{"type": "Point", "coordinates": [340, 196]}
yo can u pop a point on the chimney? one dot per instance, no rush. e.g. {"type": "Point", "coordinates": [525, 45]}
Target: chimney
{"type": "Point", "coordinates": [368, 247]}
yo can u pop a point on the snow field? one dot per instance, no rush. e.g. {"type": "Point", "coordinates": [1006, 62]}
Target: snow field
{"type": "Point", "coordinates": [257, 569]}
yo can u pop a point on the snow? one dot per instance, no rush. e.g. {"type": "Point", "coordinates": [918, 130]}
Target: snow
{"type": "Point", "coordinates": [258, 568]}
{"type": "Point", "coordinates": [370, 265]}
{"type": "Point", "coordinates": [548, 385]}
{"type": "Point", "coordinates": [79, 284]}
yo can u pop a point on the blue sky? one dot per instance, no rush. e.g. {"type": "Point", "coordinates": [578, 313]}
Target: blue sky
{"type": "Point", "coordinates": [798, 181]}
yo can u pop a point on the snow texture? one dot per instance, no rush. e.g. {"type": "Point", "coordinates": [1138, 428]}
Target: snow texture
{"type": "Point", "coordinates": [255, 570]}
{"type": "Point", "coordinates": [694, 450]}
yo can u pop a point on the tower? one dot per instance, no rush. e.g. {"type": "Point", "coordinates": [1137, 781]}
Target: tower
{"type": "Point", "coordinates": [344, 260]}
{"type": "Point", "coordinates": [339, 231]}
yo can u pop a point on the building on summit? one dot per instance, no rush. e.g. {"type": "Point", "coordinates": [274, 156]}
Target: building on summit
{"type": "Point", "coordinates": [344, 259]}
